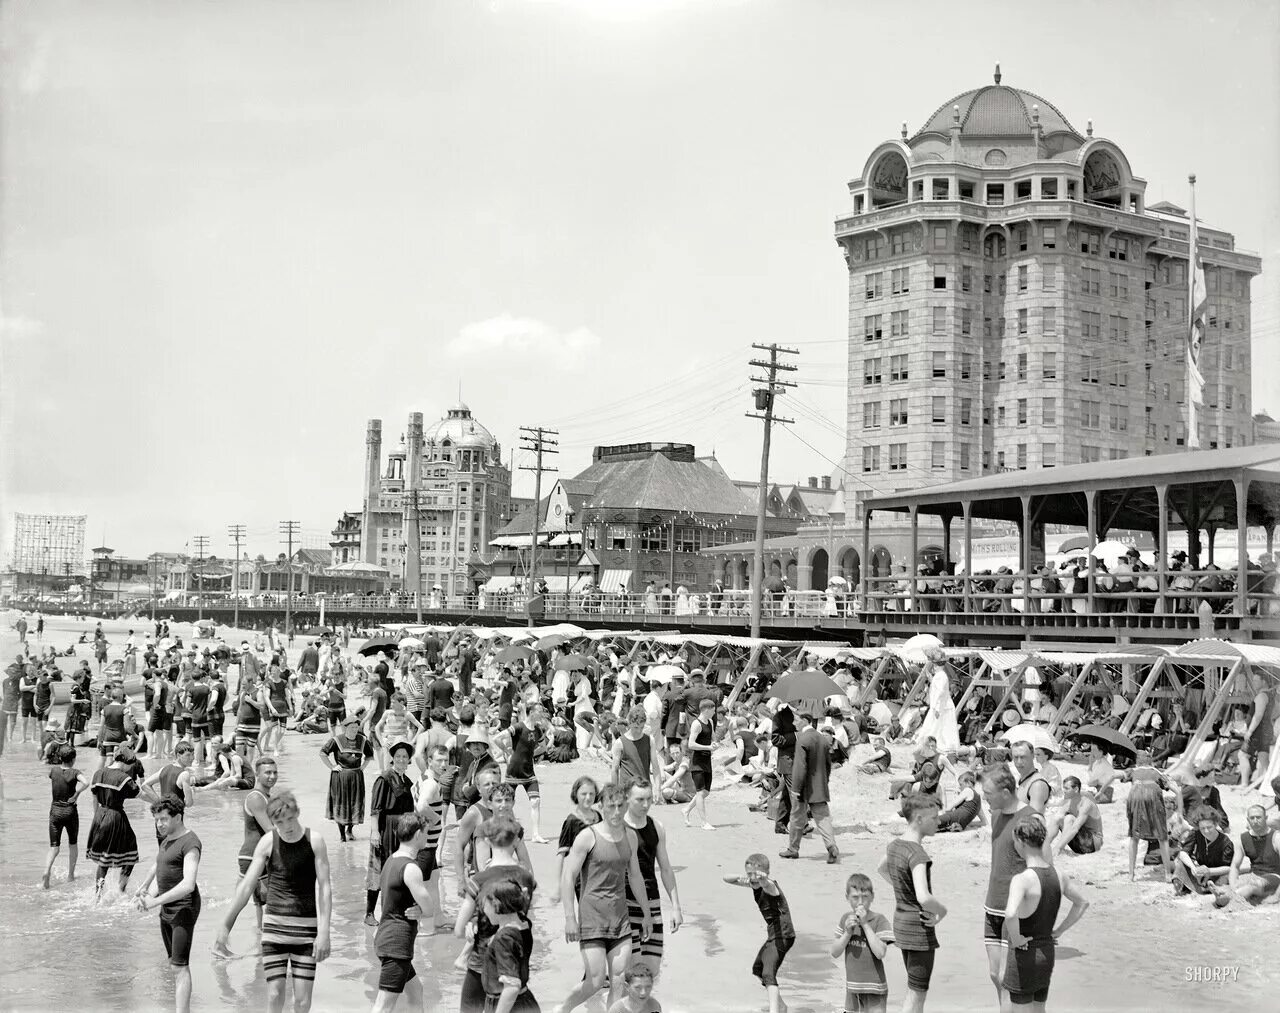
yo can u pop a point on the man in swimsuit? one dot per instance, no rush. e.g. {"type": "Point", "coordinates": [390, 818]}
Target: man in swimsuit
{"type": "Point", "coordinates": [1261, 845]}
{"type": "Point", "coordinates": [198, 697]}
{"type": "Point", "coordinates": [1033, 789]}
{"type": "Point", "coordinates": [485, 781]}
{"type": "Point", "coordinates": [1029, 915]}
{"type": "Point", "coordinates": [652, 838]}
{"type": "Point", "coordinates": [431, 805]}
{"type": "Point", "coordinates": [520, 741]}
{"type": "Point", "coordinates": [173, 778]}
{"type": "Point", "coordinates": [257, 823]}
{"type": "Point", "coordinates": [295, 917]}
{"type": "Point", "coordinates": [175, 891]}
{"type": "Point", "coordinates": [1000, 789]}
{"type": "Point", "coordinates": [701, 733]}
{"type": "Point", "coordinates": [632, 761]}
{"type": "Point", "coordinates": [1081, 821]}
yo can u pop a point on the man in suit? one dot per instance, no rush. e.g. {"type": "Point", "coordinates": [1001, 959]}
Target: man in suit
{"type": "Point", "coordinates": [811, 788]}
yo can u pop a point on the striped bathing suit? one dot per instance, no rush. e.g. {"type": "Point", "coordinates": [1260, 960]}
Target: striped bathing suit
{"type": "Point", "coordinates": [289, 914]}
{"type": "Point", "coordinates": [428, 858]}
{"type": "Point", "coordinates": [649, 949]}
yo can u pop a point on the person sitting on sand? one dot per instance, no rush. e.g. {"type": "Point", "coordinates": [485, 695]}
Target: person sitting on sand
{"type": "Point", "coordinates": [1101, 776]}
{"type": "Point", "coordinates": [878, 762]}
{"type": "Point", "coordinates": [968, 806]}
{"type": "Point", "coordinates": [1081, 821]}
{"type": "Point", "coordinates": [926, 773]}
{"type": "Point", "coordinates": [1261, 846]}
{"type": "Point", "coordinates": [1205, 860]}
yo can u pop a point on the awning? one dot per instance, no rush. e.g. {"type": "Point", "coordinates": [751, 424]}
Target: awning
{"type": "Point", "coordinates": [520, 541]}
{"type": "Point", "coordinates": [558, 582]}
{"type": "Point", "coordinates": [567, 538]}
{"type": "Point", "coordinates": [614, 580]}
{"type": "Point", "coordinates": [507, 583]}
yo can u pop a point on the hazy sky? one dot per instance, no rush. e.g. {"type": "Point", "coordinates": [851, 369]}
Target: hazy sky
{"type": "Point", "coordinates": [235, 231]}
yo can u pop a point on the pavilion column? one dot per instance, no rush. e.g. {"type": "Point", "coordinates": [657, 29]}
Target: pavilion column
{"type": "Point", "coordinates": [1271, 531]}
{"type": "Point", "coordinates": [864, 575]}
{"type": "Point", "coordinates": [1025, 562]}
{"type": "Point", "coordinates": [1091, 500]}
{"type": "Point", "coordinates": [966, 586]}
{"type": "Point", "coordinates": [914, 556]}
{"type": "Point", "coordinates": [1242, 545]}
{"type": "Point", "coordinates": [1211, 530]}
{"type": "Point", "coordinates": [1162, 546]}
{"type": "Point", "coordinates": [947, 561]}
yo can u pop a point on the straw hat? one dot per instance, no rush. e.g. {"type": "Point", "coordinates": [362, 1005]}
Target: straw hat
{"type": "Point", "coordinates": [479, 734]}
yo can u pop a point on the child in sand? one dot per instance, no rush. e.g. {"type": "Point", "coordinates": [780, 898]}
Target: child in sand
{"type": "Point", "coordinates": [777, 919]}
{"type": "Point", "coordinates": [863, 937]}
{"type": "Point", "coordinates": [639, 995]}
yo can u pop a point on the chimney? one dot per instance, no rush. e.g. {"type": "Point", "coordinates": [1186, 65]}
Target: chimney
{"type": "Point", "coordinates": [413, 458]}
{"type": "Point", "coordinates": [813, 482]}
{"type": "Point", "coordinates": [826, 481]}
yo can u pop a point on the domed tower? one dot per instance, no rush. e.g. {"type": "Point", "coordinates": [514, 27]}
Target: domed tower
{"type": "Point", "coordinates": [466, 492]}
{"type": "Point", "coordinates": [1013, 302]}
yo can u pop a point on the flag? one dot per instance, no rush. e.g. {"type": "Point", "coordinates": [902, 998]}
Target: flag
{"type": "Point", "coordinates": [1199, 297]}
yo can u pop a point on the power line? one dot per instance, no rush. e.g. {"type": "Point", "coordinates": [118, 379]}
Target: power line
{"type": "Point", "coordinates": [236, 531]}
{"type": "Point", "coordinates": [202, 543]}
{"type": "Point", "coordinates": [289, 529]}
{"type": "Point", "coordinates": [765, 398]}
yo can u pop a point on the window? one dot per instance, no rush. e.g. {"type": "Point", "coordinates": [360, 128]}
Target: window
{"type": "Point", "coordinates": [1090, 325]}
{"type": "Point", "coordinates": [939, 409]}
{"type": "Point", "coordinates": [1049, 234]}
{"type": "Point", "coordinates": [687, 539]}
{"type": "Point", "coordinates": [1119, 285]}
{"type": "Point", "coordinates": [941, 189]}
{"type": "Point", "coordinates": [986, 283]}
{"type": "Point", "coordinates": [898, 457]}
{"type": "Point", "coordinates": [1022, 457]}
{"type": "Point", "coordinates": [1049, 455]}
{"type": "Point", "coordinates": [874, 247]}
{"type": "Point", "coordinates": [1022, 321]}
{"type": "Point", "coordinates": [939, 237]}
{"type": "Point", "coordinates": [1228, 358]}
{"type": "Point", "coordinates": [939, 320]}
{"type": "Point", "coordinates": [1022, 365]}
{"type": "Point", "coordinates": [1022, 190]}
{"type": "Point", "coordinates": [1024, 280]}
{"type": "Point", "coordinates": [1090, 242]}
{"type": "Point", "coordinates": [1091, 281]}
{"type": "Point", "coordinates": [966, 321]}
{"type": "Point", "coordinates": [1049, 411]}
{"type": "Point", "coordinates": [655, 539]}
{"type": "Point", "coordinates": [1049, 278]}
{"type": "Point", "coordinates": [898, 411]}
{"type": "Point", "coordinates": [871, 415]}
{"type": "Point", "coordinates": [874, 284]}
{"type": "Point", "coordinates": [939, 277]}
{"type": "Point", "coordinates": [965, 454]}
{"type": "Point", "coordinates": [1000, 460]}
{"type": "Point", "coordinates": [1119, 418]}
{"type": "Point", "coordinates": [1000, 282]}
{"type": "Point", "coordinates": [1228, 396]}
{"type": "Point", "coordinates": [899, 242]}
{"type": "Point", "coordinates": [1022, 411]}
{"type": "Point", "coordinates": [1119, 328]}
{"type": "Point", "coordinates": [1181, 434]}
{"type": "Point", "coordinates": [939, 365]}
{"type": "Point", "coordinates": [1000, 415]}
{"type": "Point", "coordinates": [1117, 248]}
{"type": "Point", "coordinates": [1119, 376]}
{"type": "Point", "coordinates": [898, 324]}
{"type": "Point", "coordinates": [986, 460]}
{"type": "Point", "coordinates": [995, 193]}
{"type": "Point", "coordinates": [966, 365]}
{"type": "Point", "coordinates": [1089, 454]}
{"type": "Point", "coordinates": [1050, 366]}
{"type": "Point", "coordinates": [873, 327]}
{"type": "Point", "coordinates": [1090, 417]}
{"type": "Point", "coordinates": [1165, 391]}
{"type": "Point", "coordinates": [1049, 320]}
{"type": "Point", "coordinates": [1000, 372]}
{"type": "Point", "coordinates": [986, 413]}
{"type": "Point", "coordinates": [900, 280]}
{"type": "Point", "coordinates": [870, 458]}
{"type": "Point", "coordinates": [966, 411]}
{"type": "Point", "coordinates": [966, 279]}
{"type": "Point", "coordinates": [870, 371]}
{"type": "Point", "coordinates": [1211, 389]}
{"type": "Point", "coordinates": [938, 456]}
{"type": "Point", "coordinates": [986, 369]}
{"type": "Point", "coordinates": [897, 368]}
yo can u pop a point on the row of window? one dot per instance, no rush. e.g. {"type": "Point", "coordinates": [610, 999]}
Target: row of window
{"type": "Point", "coordinates": [873, 368]}
{"type": "Point", "coordinates": [899, 413]}
{"type": "Point", "coordinates": [994, 247]}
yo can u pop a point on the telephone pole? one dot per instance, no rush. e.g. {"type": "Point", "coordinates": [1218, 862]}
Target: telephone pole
{"type": "Point", "coordinates": [236, 531]}
{"type": "Point", "coordinates": [765, 397]}
{"type": "Point", "coordinates": [535, 440]}
{"type": "Point", "coordinates": [290, 530]}
{"type": "Point", "coordinates": [202, 543]}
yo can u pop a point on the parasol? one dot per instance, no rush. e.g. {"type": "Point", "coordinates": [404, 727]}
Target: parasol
{"type": "Point", "coordinates": [570, 662]}
{"type": "Point", "coordinates": [663, 674]}
{"type": "Point", "coordinates": [413, 642]}
{"type": "Point", "coordinates": [551, 640]}
{"type": "Point", "coordinates": [837, 582]}
{"type": "Point", "coordinates": [807, 685]}
{"type": "Point", "coordinates": [882, 712]}
{"type": "Point", "coordinates": [1107, 739]}
{"type": "Point", "coordinates": [1036, 735]}
{"type": "Point", "coordinates": [513, 652]}
{"type": "Point", "coordinates": [375, 644]}
{"type": "Point", "coordinates": [916, 649]}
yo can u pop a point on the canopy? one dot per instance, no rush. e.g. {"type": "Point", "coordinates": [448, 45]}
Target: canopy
{"type": "Point", "coordinates": [504, 583]}
{"type": "Point", "coordinates": [614, 580]}
{"type": "Point", "coordinates": [519, 541]}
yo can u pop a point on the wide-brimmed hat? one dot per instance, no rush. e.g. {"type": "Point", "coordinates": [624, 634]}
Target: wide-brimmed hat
{"type": "Point", "coordinates": [391, 751]}
{"type": "Point", "coordinates": [479, 734]}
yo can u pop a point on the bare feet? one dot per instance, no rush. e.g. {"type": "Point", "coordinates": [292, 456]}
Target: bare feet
{"type": "Point", "coordinates": [539, 839]}
{"type": "Point", "coordinates": [44, 881]}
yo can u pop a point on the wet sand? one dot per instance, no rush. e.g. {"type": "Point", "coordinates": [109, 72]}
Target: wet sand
{"type": "Point", "coordinates": [1138, 948]}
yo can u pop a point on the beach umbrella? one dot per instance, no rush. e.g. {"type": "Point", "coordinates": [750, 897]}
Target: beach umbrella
{"type": "Point", "coordinates": [807, 685]}
{"type": "Point", "coordinates": [1110, 740]}
{"type": "Point", "coordinates": [837, 582]}
{"type": "Point", "coordinates": [570, 662]}
{"type": "Point", "coordinates": [915, 649]}
{"type": "Point", "coordinates": [375, 644]}
{"type": "Point", "coordinates": [1110, 551]}
{"type": "Point", "coordinates": [317, 631]}
{"type": "Point", "coordinates": [164, 645]}
{"type": "Point", "coordinates": [513, 652]}
{"type": "Point", "coordinates": [413, 642]}
{"type": "Point", "coordinates": [662, 674]}
{"type": "Point", "coordinates": [882, 712]}
{"type": "Point", "coordinates": [206, 624]}
{"type": "Point", "coordinates": [1037, 735]}
{"type": "Point", "coordinates": [551, 640]}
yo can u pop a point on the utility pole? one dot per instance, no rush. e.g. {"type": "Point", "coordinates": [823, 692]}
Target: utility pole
{"type": "Point", "coordinates": [290, 529]}
{"type": "Point", "coordinates": [764, 410]}
{"type": "Point", "coordinates": [535, 440]}
{"type": "Point", "coordinates": [202, 543]}
{"type": "Point", "coordinates": [236, 531]}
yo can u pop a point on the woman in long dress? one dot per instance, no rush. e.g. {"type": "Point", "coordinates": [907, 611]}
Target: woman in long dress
{"type": "Point", "coordinates": [940, 722]}
{"type": "Point", "coordinates": [112, 843]}
{"type": "Point", "coordinates": [346, 755]}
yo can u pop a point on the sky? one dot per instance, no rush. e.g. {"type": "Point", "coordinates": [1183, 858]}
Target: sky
{"type": "Point", "coordinates": [233, 232]}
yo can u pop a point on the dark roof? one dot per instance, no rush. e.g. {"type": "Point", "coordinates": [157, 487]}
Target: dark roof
{"type": "Point", "coordinates": [316, 557]}
{"type": "Point", "coordinates": [659, 483]}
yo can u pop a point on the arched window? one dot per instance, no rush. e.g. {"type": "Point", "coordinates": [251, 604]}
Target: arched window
{"type": "Point", "coordinates": [1102, 179]}
{"type": "Point", "coordinates": [889, 180]}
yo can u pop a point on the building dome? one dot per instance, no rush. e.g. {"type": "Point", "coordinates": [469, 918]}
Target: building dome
{"type": "Point", "coordinates": [460, 429]}
{"type": "Point", "coordinates": [996, 110]}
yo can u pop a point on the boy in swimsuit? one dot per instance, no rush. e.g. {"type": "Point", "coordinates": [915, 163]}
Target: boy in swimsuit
{"type": "Point", "coordinates": [638, 997]}
{"type": "Point", "coordinates": [777, 919]}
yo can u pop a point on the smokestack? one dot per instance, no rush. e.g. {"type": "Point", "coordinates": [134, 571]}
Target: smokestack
{"type": "Point", "coordinates": [412, 518]}
{"type": "Point", "coordinates": [372, 486]}
{"type": "Point", "coordinates": [813, 482]}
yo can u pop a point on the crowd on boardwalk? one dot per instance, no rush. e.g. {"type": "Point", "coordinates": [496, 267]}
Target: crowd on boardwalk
{"type": "Point", "coordinates": [453, 729]}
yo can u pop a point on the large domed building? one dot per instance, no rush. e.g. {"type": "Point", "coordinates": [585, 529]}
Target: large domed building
{"type": "Point", "coordinates": [1015, 303]}
{"type": "Point", "coordinates": [438, 498]}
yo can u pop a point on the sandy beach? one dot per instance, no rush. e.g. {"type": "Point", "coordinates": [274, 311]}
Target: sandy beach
{"type": "Point", "coordinates": [1138, 948]}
